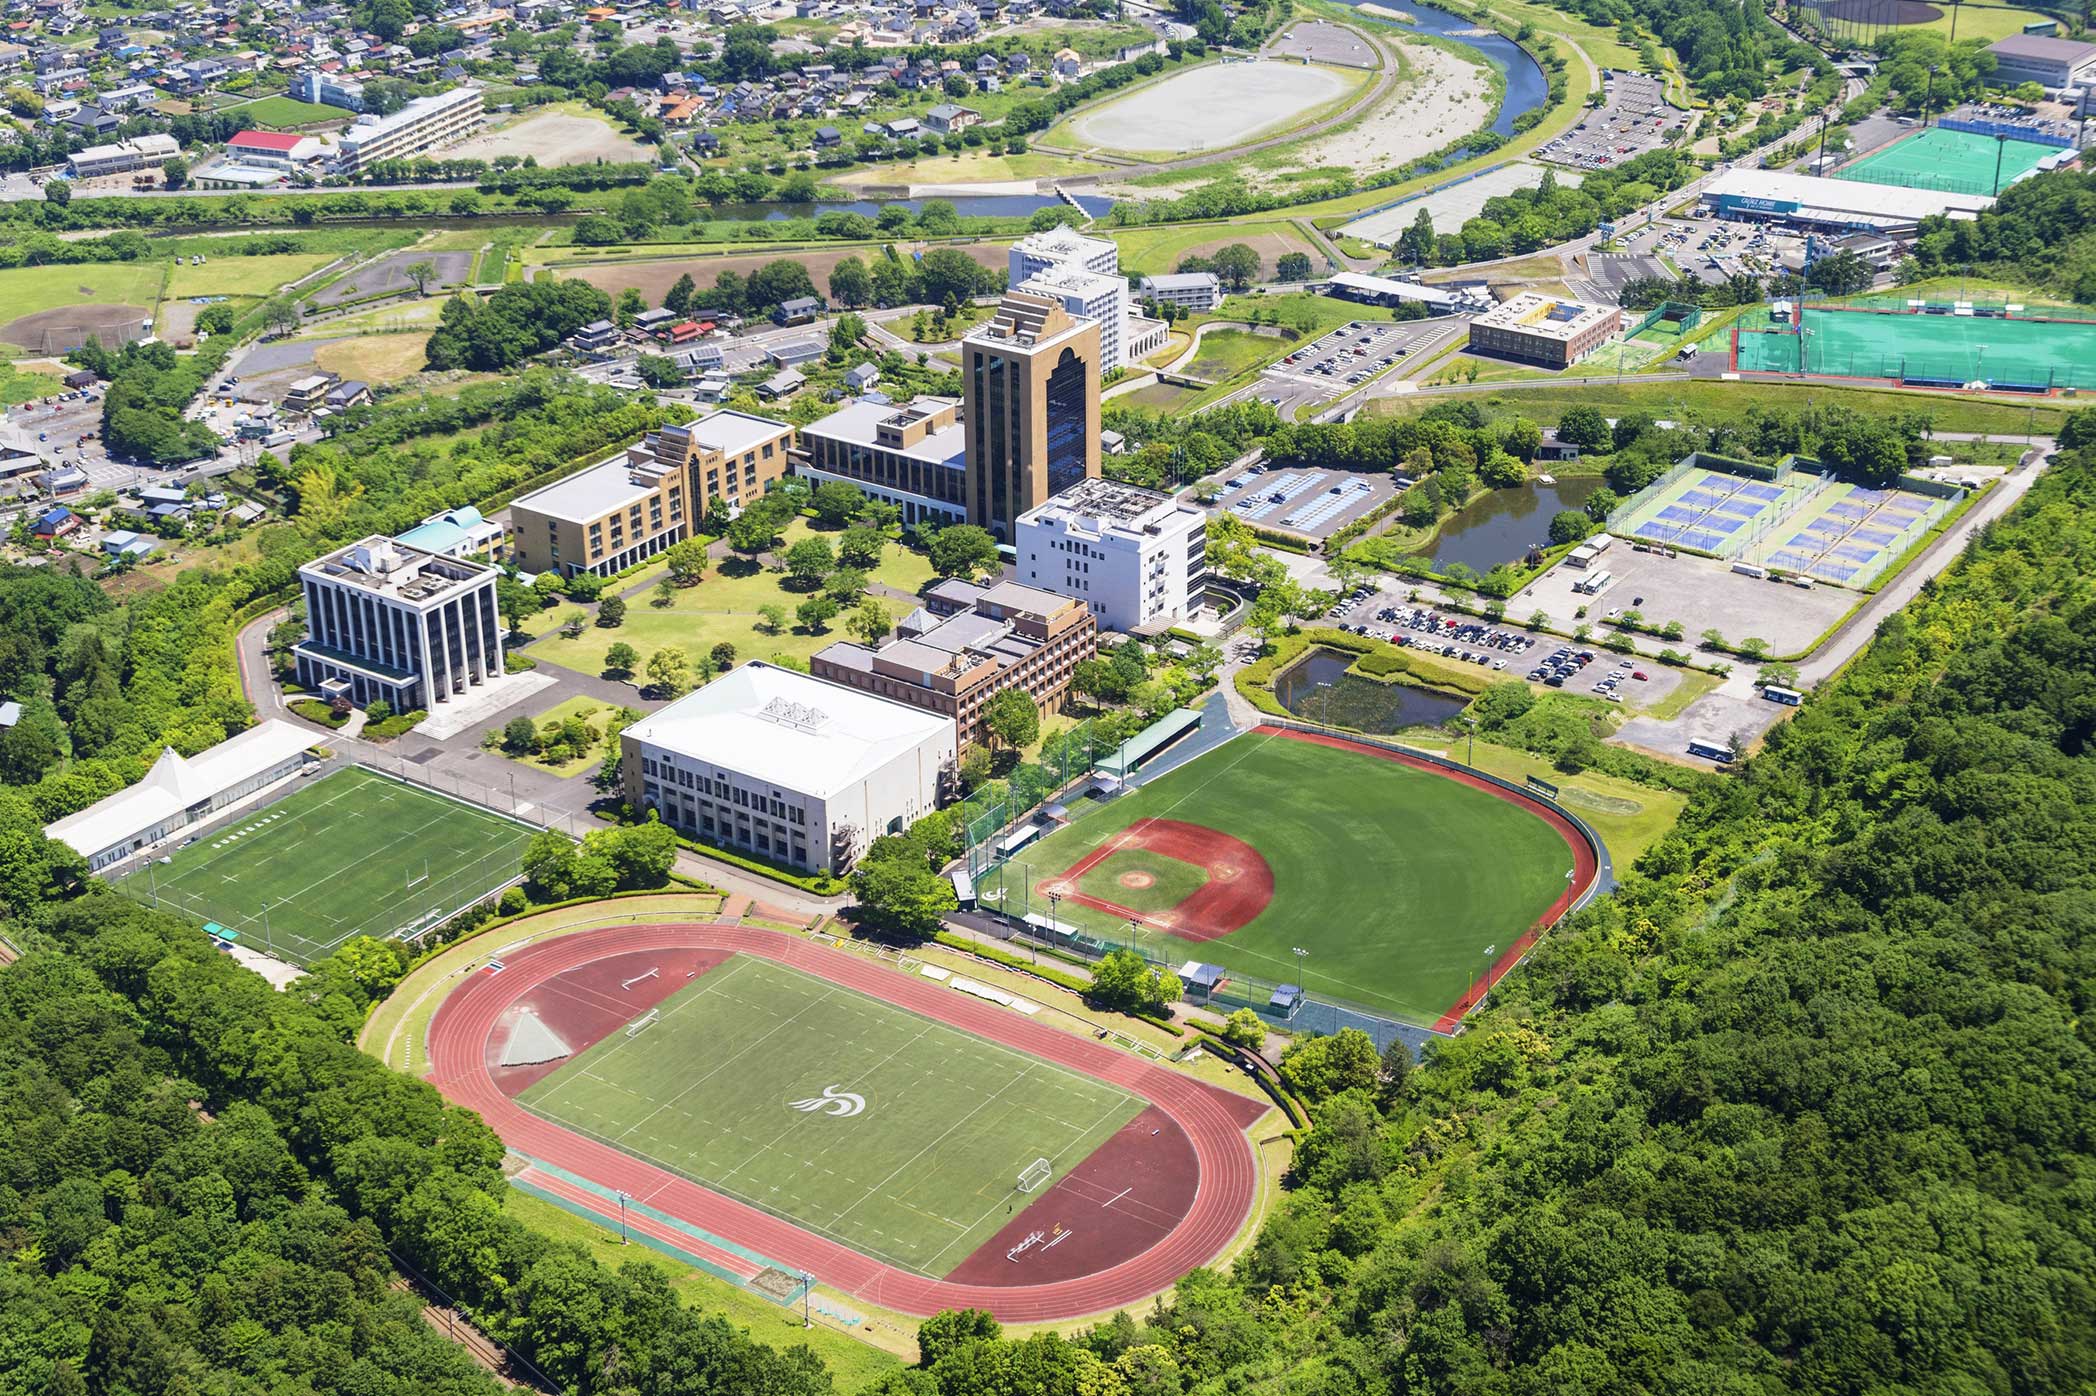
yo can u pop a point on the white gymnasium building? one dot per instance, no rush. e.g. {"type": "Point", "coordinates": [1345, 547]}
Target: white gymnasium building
{"type": "Point", "coordinates": [767, 761]}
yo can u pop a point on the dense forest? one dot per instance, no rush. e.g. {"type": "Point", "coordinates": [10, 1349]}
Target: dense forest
{"type": "Point", "coordinates": [2041, 229]}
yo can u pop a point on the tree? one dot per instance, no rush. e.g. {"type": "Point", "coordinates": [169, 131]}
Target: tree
{"type": "Point", "coordinates": [520, 736]}
{"type": "Point", "coordinates": [945, 1334]}
{"type": "Point", "coordinates": [1569, 526]}
{"type": "Point", "coordinates": [669, 671]}
{"type": "Point", "coordinates": [657, 371]}
{"type": "Point", "coordinates": [174, 173]}
{"type": "Point", "coordinates": [963, 550]}
{"type": "Point", "coordinates": [1237, 265]}
{"type": "Point", "coordinates": [1011, 717]}
{"type": "Point", "coordinates": [860, 546]}
{"type": "Point", "coordinates": [844, 586]}
{"type": "Point", "coordinates": [1322, 1067]}
{"type": "Point", "coordinates": [621, 659]}
{"type": "Point", "coordinates": [682, 296]}
{"type": "Point", "coordinates": [281, 313]}
{"type": "Point", "coordinates": [686, 562]}
{"type": "Point", "coordinates": [665, 594]}
{"type": "Point", "coordinates": [629, 307]}
{"type": "Point", "coordinates": [809, 561]}
{"type": "Point", "coordinates": [1124, 981]}
{"type": "Point", "coordinates": [611, 612]}
{"type": "Point", "coordinates": [1246, 1029]}
{"type": "Point", "coordinates": [900, 896]}
{"type": "Point", "coordinates": [216, 319]}
{"type": "Point", "coordinates": [755, 531]}
{"type": "Point", "coordinates": [846, 333]}
{"type": "Point", "coordinates": [870, 623]}
{"type": "Point", "coordinates": [1585, 428]}
{"type": "Point", "coordinates": [850, 283]}
{"type": "Point", "coordinates": [58, 192]}
{"type": "Point", "coordinates": [515, 601]}
{"type": "Point", "coordinates": [421, 273]}
{"type": "Point", "coordinates": [722, 655]}
{"type": "Point", "coordinates": [1392, 1072]}
{"type": "Point", "coordinates": [773, 616]}
{"type": "Point", "coordinates": [1292, 266]}
{"type": "Point", "coordinates": [836, 503]}
{"type": "Point", "coordinates": [776, 282]}
{"type": "Point", "coordinates": [815, 613]}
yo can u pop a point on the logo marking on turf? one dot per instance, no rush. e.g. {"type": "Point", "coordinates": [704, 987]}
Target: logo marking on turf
{"type": "Point", "coordinates": [841, 1104]}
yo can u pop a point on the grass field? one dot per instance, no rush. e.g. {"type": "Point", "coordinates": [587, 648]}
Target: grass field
{"type": "Point", "coordinates": [353, 853]}
{"type": "Point", "coordinates": [244, 276]}
{"type": "Point", "coordinates": [376, 358]}
{"type": "Point", "coordinates": [1224, 354]}
{"type": "Point", "coordinates": [1396, 881]}
{"type": "Point", "coordinates": [1152, 251]}
{"type": "Point", "coordinates": [722, 608]}
{"type": "Point", "coordinates": [280, 111]}
{"type": "Point", "coordinates": [18, 385]}
{"type": "Point", "coordinates": [919, 1176]}
{"type": "Point", "coordinates": [26, 290]}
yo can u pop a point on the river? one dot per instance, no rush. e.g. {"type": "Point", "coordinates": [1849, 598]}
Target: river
{"type": "Point", "coordinates": [1527, 86]}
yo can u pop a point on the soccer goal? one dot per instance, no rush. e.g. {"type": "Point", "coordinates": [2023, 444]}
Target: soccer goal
{"type": "Point", "coordinates": [1035, 1174]}
{"type": "Point", "coordinates": [634, 1028]}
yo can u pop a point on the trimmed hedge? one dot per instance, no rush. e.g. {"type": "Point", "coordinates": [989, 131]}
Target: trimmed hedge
{"type": "Point", "coordinates": [819, 884]}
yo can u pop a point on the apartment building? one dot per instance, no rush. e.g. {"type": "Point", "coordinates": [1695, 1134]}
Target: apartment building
{"type": "Point", "coordinates": [1031, 375]}
{"type": "Point", "coordinates": [911, 456]}
{"type": "Point", "coordinates": [1196, 291]}
{"type": "Point", "coordinates": [384, 620]}
{"type": "Point", "coordinates": [966, 644]}
{"type": "Point", "coordinates": [422, 125]}
{"type": "Point", "coordinates": [1137, 557]}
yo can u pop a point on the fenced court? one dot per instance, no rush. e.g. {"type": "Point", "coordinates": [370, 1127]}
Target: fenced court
{"type": "Point", "coordinates": [2017, 353]}
{"type": "Point", "coordinates": [352, 853]}
{"type": "Point", "coordinates": [1850, 534]}
{"type": "Point", "coordinates": [1711, 505]}
{"type": "Point", "coordinates": [1950, 162]}
{"type": "Point", "coordinates": [900, 1137]}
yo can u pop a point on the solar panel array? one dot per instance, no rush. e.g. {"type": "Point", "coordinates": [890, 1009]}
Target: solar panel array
{"type": "Point", "coordinates": [1267, 499]}
{"type": "Point", "coordinates": [1333, 501]}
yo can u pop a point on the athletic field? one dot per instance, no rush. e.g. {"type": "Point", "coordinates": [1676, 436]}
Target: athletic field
{"type": "Point", "coordinates": [862, 1122]}
{"type": "Point", "coordinates": [1403, 886]}
{"type": "Point", "coordinates": [1947, 349]}
{"type": "Point", "coordinates": [352, 853]}
{"type": "Point", "coordinates": [1951, 162]}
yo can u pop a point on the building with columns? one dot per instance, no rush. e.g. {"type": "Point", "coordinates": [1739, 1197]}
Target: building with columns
{"type": "Point", "coordinates": [387, 620]}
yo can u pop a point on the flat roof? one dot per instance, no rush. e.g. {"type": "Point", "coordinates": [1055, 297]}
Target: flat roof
{"type": "Point", "coordinates": [1100, 505]}
{"type": "Point", "coordinates": [1064, 242]}
{"type": "Point", "coordinates": [1385, 286]}
{"type": "Point", "coordinates": [1553, 317]}
{"type": "Point", "coordinates": [396, 570]}
{"type": "Point", "coordinates": [589, 494]}
{"type": "Point", "coordinates": [858, 424]}
{"type": "Point", "coordinates": [731, 432]}
{"type": "Point", "coordinates": [267, 140]}
{"type": "Point", "coordinates": [176, 782]}
{"type": "Point", "coordinates": [1184, 281]}
{"type": "Point", "coordinates": [1887, 204]}
{"type": "Point", "coordinates": [790, 730]}
{"type": "Point", "coordinates": [2072, 52]}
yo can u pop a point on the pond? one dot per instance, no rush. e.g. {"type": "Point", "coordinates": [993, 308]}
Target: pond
{"type": "Point", "coordinates": [1505, 524]}
{"type": "Point", "coordinates": [1527, 88]}
{"type": "Point", "coordinates": [1318, 688]}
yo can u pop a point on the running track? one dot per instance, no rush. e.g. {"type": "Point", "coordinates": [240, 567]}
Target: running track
{"type": "Point", "coordinates": [458, 1038]}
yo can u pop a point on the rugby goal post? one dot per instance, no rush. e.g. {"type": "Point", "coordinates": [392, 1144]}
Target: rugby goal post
{"type": "Point", "coordinates": [1035, 1174]}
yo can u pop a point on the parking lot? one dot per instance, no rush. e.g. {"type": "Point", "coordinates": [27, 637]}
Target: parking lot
{"type": "Point", "coordinates": [1313, 504]}
{"type": "Point", "coordinates": [1635, 119]}
{"type": "Point", "coordinates": [1697, 592]}
{"type": "Point", "coordinates": [1509, 651]}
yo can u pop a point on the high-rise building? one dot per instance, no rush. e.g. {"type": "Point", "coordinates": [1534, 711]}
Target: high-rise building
{"type": "Point", "coordinates": [1088, 295]}
{"type": "Point", "coordinates": [1032, 410]}
{"type": "Point", "coordinates": [1084, 273]}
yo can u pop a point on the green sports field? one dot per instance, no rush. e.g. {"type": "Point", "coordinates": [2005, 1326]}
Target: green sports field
{"type": "Point", "coordinates": [1930, 348]}
{"type": "Point", "coordinates": [1954, 162]}
{"type": "Point", "coordinates": [1401, 885]}
{"type": "Point", "coordinates": [746, 1082]}
{"type": "Point", "coordinates": [352, 853]}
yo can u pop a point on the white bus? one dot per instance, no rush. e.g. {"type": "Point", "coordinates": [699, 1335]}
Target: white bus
{"type": "Point", "coordinates": [1789, 697]}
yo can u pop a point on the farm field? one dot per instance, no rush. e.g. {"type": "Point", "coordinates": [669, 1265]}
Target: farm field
{"type": "Point", "coordinates": [1332, 867]}
{"type": "Point", "coordinates": [857, 1120]}
{"type": "Point", "coordinates": [352, 853]}
{"type": "Point", "coordinates": [376, 358]}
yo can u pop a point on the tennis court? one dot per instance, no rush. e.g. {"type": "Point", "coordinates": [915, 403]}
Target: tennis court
{"type": "Point", "coordinates": [1850, 534]}
{"type": "Point", "coordinates": [1710, 511]}
{"type": "Point", "coordinates": [1936, 349]}
{"type": "Point", "coordinates": [1953, 162]}
{"type": "Point", "coordinates": [860, 1121]}
{"type": "Point", "coordinates": [353, 853]}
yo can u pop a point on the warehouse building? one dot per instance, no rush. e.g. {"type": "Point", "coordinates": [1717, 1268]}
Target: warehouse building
{"type": "Point", "coordinates": [1814, 204]}
{"type": "Point", "coordinates": [2051, 63]}
{"type": "Point", "coordinates": [1544, 330]}
{"type": "Point", "coordinates": [788, 767]}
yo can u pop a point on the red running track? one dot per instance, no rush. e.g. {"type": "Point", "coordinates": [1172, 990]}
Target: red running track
{"type": "Point", "coordinates": [1585, 866]}
{"type": "Point", "coordinates": [458, 1038]}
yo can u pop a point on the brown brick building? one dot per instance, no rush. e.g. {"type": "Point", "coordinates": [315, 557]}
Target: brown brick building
{"type": "Point", "coordinates": [1031, 375]}
{"type": "Point", "coordinates": [967, 643]}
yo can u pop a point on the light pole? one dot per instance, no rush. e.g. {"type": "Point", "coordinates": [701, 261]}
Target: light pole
{"type": "Point", "coordinates": [807, 1300]}
{"type": "Point", "coordinates": [1471, 759]}
{"type": "Point", "coordinates": [622, 1219]}
{"type": "Point", "coordinates": [1053, 898]}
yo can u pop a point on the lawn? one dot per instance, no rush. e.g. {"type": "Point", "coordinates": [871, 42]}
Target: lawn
{"type": "Point", "coordinates": [1224, 354]}
{"type": "Point", "coordinates": [26, 290]}
{"type": "Point", "coordinates": [920, 1174]}
{"type": "Point", "coordinates": [353, 853]}
{"type": "Point", "coordinates": [378, 359]}
{"type": "Point", "coordinates": [1153, 251]}
{"type": "Point", "coordinates": [723, 607]}
{"type": "Point", "coordinates": [244, 276]}
{"type": "Point", "coordinates": [1630, 818]}
{"type": "Point", "coordinates": [280, 111]}
{"type": "Point", "coordinates": [19, 385]}
{"type": "Point", "coordinates": [971, 168]}
{"type": "Point", "coordinates": [1395, 881]}
{"type": "Point", "coordinates": [1710, 403]}
{"type": "Point", "coordinates": [591, 710]}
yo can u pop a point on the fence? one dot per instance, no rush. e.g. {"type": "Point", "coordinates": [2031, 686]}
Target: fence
{"type": "Point", "coordinates": [1687, 317]}
{"type": "Point", "coordinates": [1975, 126]}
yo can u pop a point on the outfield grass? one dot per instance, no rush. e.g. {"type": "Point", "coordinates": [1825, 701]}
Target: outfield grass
{"type": "Point", "coordinates": [724, 607]}
{"type": "Point", "coordinates": [351, 854]}
{"type": "Point", "coordinates": [26, 290]}
{"type": "Point", "coordinates": [923, 1174]}
{"type": "Point", "coordinates": [1395, 880]}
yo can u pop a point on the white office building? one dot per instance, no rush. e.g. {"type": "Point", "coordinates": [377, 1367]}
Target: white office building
{"type": "Point", "coordinates": [1093, 296]}
{"type": "Point", "coordinates": [182, 791]}
{"type": "Point", "coordinates": [387, 620]}
{"type": "Point", "coordinates": [122, 157]}
{"type": "Point", "coordinates": [420, 126]}
{"type": "Point", "coordinates": [1036, 252]}
{"type": "Point", "coordinates": [802, 772]}
{"type": "Point", "coordinates": [1138, 558]}
{"type": "Point", "coordinates": [328, 90]}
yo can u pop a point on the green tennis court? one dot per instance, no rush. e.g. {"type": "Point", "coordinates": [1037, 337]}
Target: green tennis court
{"type": "Point", "coordinates": [862, 1122]}
{"type": "Point", "coordinates": [353, 853]}
{"type": "Point", "coordinates": [1952, 162]}
{"type": "Point", "coordinates": [1945, 349]}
